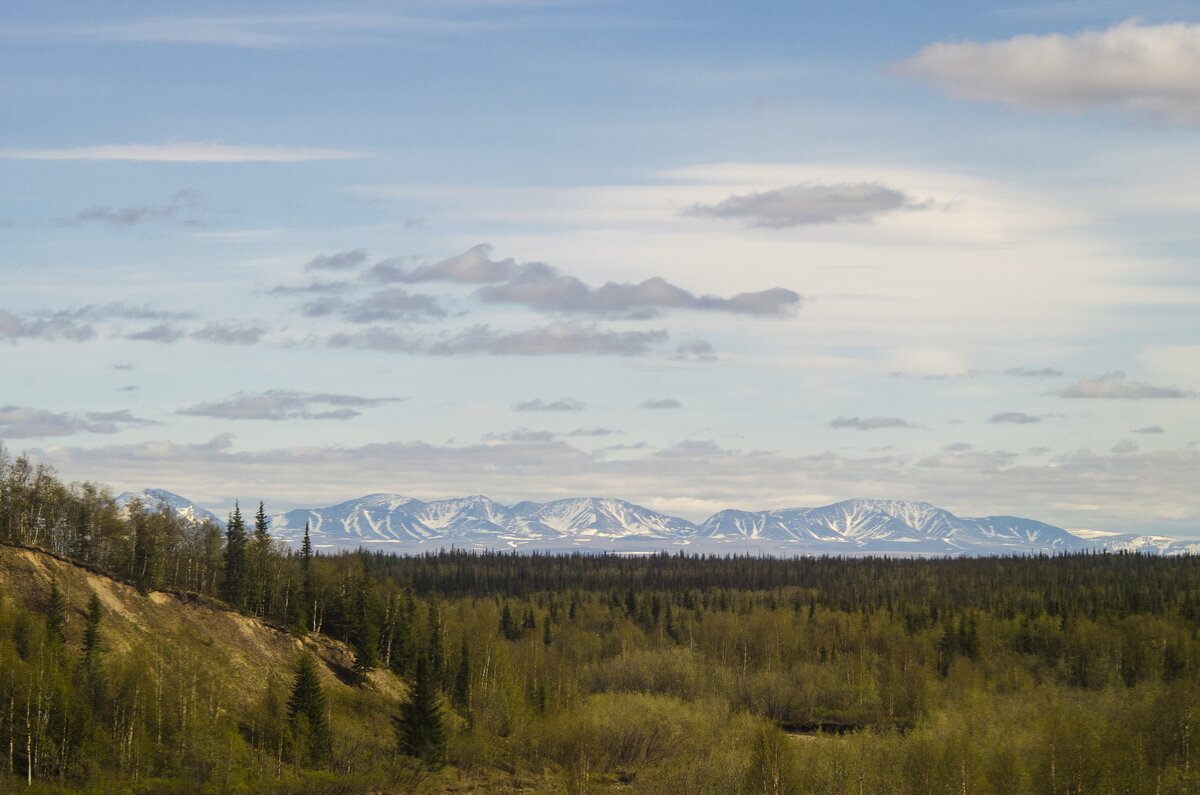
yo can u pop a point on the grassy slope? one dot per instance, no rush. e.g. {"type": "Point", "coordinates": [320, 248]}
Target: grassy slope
{"type": "Point", "coordinates": [243, 649]}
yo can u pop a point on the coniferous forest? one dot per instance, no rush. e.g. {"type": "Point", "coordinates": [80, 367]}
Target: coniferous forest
{"type": "Point", "coordinates": [461, 672]}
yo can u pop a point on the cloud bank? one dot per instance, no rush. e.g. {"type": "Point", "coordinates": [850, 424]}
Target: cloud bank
{"type": "Point", "coordinates": [1131, 66]}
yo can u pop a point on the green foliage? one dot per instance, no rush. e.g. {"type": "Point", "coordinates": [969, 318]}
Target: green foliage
{"type": "Point", "coordinates": [419, 730]}
{"type": "Point", "coordinates": [233, 588]}
{"type": "Point", "coordinates": [56, 614]}
{"type": "Point", "coordinates": [668, 673]}
{"type": "Point", "coordinates": [308, 720]}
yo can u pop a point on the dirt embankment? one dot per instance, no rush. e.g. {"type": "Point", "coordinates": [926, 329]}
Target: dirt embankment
{"type": "Point", "coordinates": [246, 651]}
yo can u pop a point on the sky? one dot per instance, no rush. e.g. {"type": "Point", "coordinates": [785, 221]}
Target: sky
{"type": "Point", "coordinates": [695, 255]}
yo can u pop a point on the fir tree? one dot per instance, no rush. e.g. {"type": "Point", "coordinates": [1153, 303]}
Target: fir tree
{"type": "Point", "coordinates": [260, 579]}
{"type": "Point", "coordinates": [547, 633]}
{"type": "Point", "coordinates": [56, 614]}
{"type": "Point", "coordinates": [90, 662]}
{"type": "Point", "coordinates": [143, 553]}
{"type": "Point", "coordinates": [508, 626]}
{"type": "Point", "coordinates": [308, 586]}
{"type": "Point", "coordinates": [419, 731]}
{"type": "Point", "coordinates": [462, 678]}
{"type": "Point", "coordinates": [234, 587]}
{"type": "Point", "coordinates": [364, 628]}
{"type": "Point", "coordinates": [307, 718]}
{"type": "Point", "coordinates": [435, 650]}
{"type": "Point", "coordinates": [91, 631]}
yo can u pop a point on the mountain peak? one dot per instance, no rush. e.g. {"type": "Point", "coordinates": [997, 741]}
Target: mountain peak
{"type": "Point", "coordinates": [860, 526]}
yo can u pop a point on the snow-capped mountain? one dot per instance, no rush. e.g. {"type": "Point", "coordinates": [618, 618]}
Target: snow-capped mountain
{"type": "Point", "coordinates": [852, 527]}
{"type": "Point", "coordinates": [889, 526]}
{"type": "Point", "coordinates": [153, 499]}
{"type": "Point", "coordinates": [1145, 544]}
{"type": "Point", "coordinates": [478, 522]}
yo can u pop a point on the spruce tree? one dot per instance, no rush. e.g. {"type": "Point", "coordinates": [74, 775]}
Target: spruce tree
{"type": "Point", "coordinates": [364, 627]}
{"type": "Point", "coordinates": [435, 651]}
{"type": "Point", "coordinates": [91, 631]}
{"type": "Point", "coordinates": [56, 614]}
{"type": "Point", "coordinates": [307, 718]}
{"type": "Point", "coordinates": [90, 663]}
{"type": "Point", "coordinates": [260, 579]}
{"type": "Point", "coordinates": [308, 587]}
{"type": "Point", "coordinates": [508, 626]}
{"type": "Point", "coordinates": [462, 678]}
{"type": "Point", "coordinates": [419, 730]}
{"type": "Point", "coordinates": [234, 586]}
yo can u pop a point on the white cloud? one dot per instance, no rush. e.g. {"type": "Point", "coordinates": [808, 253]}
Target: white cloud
{"type": "Point", "coordinates": [1131, 66]}
{"type": "Point", "coordinates": [1117, 386]}
{"type": "Point", "coordinates": [185, 152]}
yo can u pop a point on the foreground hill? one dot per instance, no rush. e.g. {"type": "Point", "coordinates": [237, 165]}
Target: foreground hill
{"type": "Point", "coordinates": [183, 683]}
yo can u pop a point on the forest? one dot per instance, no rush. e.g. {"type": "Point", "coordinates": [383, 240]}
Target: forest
{"type": "Point", "coordinates": [503, 672]}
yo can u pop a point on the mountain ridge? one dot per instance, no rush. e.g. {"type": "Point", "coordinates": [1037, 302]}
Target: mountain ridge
{"type": "Point", "coordinates": [403, 524]}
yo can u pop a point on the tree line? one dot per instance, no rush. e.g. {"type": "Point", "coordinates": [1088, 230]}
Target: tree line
{"type": "Point", "coordinates": [1076, 673]}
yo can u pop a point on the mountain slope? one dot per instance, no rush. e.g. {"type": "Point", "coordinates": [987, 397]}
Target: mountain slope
{"type": "Point", "coordinates": [153, 499]}
{"type": "Point", "coordinates": [851, 527]}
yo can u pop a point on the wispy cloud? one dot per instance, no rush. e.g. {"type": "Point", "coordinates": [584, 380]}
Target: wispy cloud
{"type": "Point", "coordinates": [869, 423]}
{"type": "Point", "coordinates": [1014, 418]}
{"type": "Point", "coordinates": [562, 404]}
{"type": "Point", "coordinates": [116, 310]}
{"type": "Point", "coordinates": [391, 304]}
{"type": "Point", "coordinates": [1131, 66]}
{"type": "Point", "coordinates": [541, 287]}
{"type": "Point", "coordinates": [1032, 372]}
{"type": "Point", "coordinates": [552, 339]}
{"type": "Point", "coordinates": [230, 333]}
{"type": "Point", "coordinates": [1149, 429]}
{"type": "Point", "coordinates": [1117, 386]}
{"type": "Point", "coordinates": [14, 327]}
{"type": "Point", "coordinates": [474, 266]}
{"type": "Point", "coordinates": [341, 261]}
{"type": "Point", "coordinates": [281, 404]}
{"type": "Point", "coordinates": [808, 204]}
{"type": "Point", "coordinates": [159, 332]}
{"type": "Point", "coordinates": [270, 30]}
{"type": "Point", "coordinates": [661, 403]}
{"type": "Point", "coordinates": [185, 152]}
{"type": "Point", "coordinates": [182, 208]}
{"type": "Point", "coordinates": [22, 422]}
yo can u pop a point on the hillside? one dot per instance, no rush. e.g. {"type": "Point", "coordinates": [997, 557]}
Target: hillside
{"type": "Point", "coordinates": [191, 660]}
{"type": "Point", "coordinates": [160, 624]}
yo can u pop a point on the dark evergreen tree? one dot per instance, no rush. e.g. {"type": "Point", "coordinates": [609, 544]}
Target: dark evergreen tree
{"type": "Point", "coordinates": [462, 678]}
{"type": "Point", "coordinates": [90, 662]}
{"type": "Point", "coordinates": [547, 633]}
{"type": "Point", "coordinates": [143, 552]}
{"type": "Point", "coordinates": [419, 730]}
{"type": "Point", "coordinates": [260, 585]}
{"type": "Point", "coordinates": [435, 649]}
{"type": "Point", "coordinates": [508, 625]}
{"type": "Point", "coordinates": [308, 584]}
{"type": "Point", "coordinates": [234, 586]}
{"type": "Point", "coordinates": [312, 741]}
{"type": "Point", "coordinates": [56, 614]}
{"type": "Point", "coordinates": [91, 631]}
{"type": "Point", "coordinates": [364, 627]}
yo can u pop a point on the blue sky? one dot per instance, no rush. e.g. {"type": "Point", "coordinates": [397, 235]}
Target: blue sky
{"type": "Point", "coordinates": [695, 255]}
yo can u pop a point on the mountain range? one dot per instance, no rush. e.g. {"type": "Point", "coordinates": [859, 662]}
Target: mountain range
{"type": "Point", "coordinates": [594, 524]}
